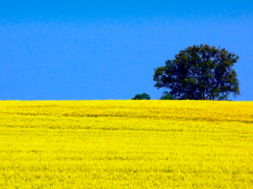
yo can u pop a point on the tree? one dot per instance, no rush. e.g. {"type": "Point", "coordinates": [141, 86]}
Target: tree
{"type": "Point", "coordinates": [167, 96]}
{"type": "Point", "coordinates": [199, 72]}
{"type": "Point", "coordinates": [143, 96]}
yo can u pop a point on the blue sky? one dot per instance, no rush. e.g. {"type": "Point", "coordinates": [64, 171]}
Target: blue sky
{"type": "Point", "coordinates": [97, 50]}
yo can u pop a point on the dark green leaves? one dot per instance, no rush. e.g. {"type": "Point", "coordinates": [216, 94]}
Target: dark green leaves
{"type": "Point", "coordinates": [143, 96]}
{"type": "Point", "coordinates": [199, 72]}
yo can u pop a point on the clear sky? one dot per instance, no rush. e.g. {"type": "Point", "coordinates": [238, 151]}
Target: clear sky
{"type": "Point", "coordinates": [97, 50]}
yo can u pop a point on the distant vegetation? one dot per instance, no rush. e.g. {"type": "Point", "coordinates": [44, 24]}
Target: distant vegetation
{"type": "Point", "coordinates": [167, 96]}
{"type": "Point", "coordinates": [143, 96]}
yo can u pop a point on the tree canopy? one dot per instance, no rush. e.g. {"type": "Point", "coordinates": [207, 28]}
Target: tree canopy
{"type": "Point", "coordinates": [143, 96]}
{"type": "Point", "coordinates": [199, 72]}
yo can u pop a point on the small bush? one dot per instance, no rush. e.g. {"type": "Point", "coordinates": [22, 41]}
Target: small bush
{"type": "Point", "coordinates": [167, 96]}
{"type": "Point", "coordinates": [143, 96]}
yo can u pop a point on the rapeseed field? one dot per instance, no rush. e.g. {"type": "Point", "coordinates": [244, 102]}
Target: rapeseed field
{"type": "Point", "coordinates": [126, 144]}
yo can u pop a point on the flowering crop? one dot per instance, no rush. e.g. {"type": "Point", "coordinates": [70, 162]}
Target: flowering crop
{"type": "Point", "coordinates": [126, 144]}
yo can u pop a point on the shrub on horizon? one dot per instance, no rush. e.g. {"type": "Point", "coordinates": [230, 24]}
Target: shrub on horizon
{"type": "Point", "coordinates": [143, 96]}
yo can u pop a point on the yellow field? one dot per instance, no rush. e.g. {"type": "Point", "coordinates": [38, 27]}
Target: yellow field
{"type": "Point", "coordinates": [126, 144]}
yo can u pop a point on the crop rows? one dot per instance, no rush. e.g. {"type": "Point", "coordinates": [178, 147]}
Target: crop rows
{"type": "Point", "coordinates": [126, 144]}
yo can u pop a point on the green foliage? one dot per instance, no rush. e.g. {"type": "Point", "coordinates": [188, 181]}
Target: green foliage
{"type": "Point", "coordinates": [143, 96]}
{"type": "Point", "coordinates": [199, 72]}
{"type": "Point", "coordinates": [167, 96]}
